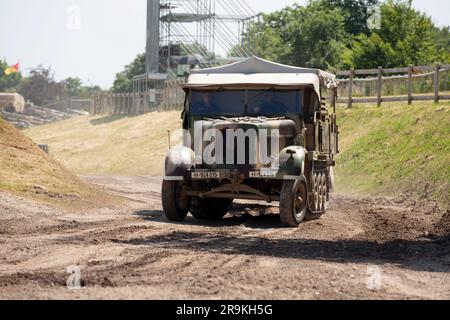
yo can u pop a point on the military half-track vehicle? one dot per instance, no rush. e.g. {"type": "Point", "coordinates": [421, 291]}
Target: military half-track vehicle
{"type": "Point", "coordinates": [254, 130]}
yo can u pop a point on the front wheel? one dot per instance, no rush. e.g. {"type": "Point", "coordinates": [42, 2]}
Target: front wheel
{"type": "Point", "coordinates": [175, 205]}
{"type": "Point", "coordinates": [294, 202]}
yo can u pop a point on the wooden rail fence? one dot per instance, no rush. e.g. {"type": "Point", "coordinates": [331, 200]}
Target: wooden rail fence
{"type": "Point", "coordinates": [120, 104]}
{"type": "Point", "coordinates": [410, 74]}
{"type": "Point", "coordinates": [434, 86]}
{"type": "Point", "coordinates": [171, 97]}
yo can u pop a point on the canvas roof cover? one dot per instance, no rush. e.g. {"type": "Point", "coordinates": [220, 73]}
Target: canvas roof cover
{"type": "Point", "coordinates": [260, 72]}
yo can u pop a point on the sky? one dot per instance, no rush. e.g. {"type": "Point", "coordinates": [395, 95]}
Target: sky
{"type": "Point", "coordinates": [95, 39]}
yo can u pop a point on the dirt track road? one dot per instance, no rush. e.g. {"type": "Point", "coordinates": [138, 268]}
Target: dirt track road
{"type": "Point", "coordinates": [398, 249]}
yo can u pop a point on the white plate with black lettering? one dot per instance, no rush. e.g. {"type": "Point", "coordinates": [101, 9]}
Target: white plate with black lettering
{"type": "Point", "coordinates": [205, 175]}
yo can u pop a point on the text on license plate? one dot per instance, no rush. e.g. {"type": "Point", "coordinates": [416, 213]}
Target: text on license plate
{"type": "Point", "coordinates": [263, 174]}
{"type": "Point", "coordinates": [205, 175]}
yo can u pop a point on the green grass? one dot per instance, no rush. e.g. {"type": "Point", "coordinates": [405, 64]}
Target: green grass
{"type": "Point", "coordinates": [385, 151]}
{"type": "Point", "coordinates": [395, 149]}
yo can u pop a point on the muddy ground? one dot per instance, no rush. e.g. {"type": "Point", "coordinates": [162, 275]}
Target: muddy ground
{"type": "Point", "coordinates": [362, 249]}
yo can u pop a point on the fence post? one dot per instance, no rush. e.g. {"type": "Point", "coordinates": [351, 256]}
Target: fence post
{"type": "Point", "coordinates": [92, 106]}
{"type": "Point", "coordinates": [122, 103]}
{"type": "Point", "coordinates": [117, 104]}
{"type": "Point", "coordinates": [130, 102]}
{"type": "Point", "coordinates": [436, 83]}
{"type": "Point", "coordinates": [110, 103]}
{"type": "Point", "coordinates": [410, 84]}
{"type": "Point", "coordinates": [379, 85]}
{"type": "Point", "coordinates": [350, 87]}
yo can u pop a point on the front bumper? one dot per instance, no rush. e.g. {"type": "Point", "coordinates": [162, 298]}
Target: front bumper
{"type": "Point", "coordinates": [236, 174]}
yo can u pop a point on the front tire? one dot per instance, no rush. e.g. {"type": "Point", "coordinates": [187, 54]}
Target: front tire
{"type": "Point", "coordinates": [294, 202]}
{"type": "Point", "coordinates": [176, 207]}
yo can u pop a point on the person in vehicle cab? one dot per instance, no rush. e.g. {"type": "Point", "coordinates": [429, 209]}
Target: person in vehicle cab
{"type": "Point", "coordinates": [207, 105]}
{"type": "Point", "coordinates": [270, 105]}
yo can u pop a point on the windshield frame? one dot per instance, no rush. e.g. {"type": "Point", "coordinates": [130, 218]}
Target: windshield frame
{"type": "Point", "coordinates": [300, 108]}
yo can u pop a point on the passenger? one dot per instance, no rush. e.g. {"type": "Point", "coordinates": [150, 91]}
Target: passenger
{"type": "Point", "coordinates": [270, 106]}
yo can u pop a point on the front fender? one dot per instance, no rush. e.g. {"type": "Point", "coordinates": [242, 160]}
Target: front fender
{"type": "Point", "coordinates": [178, 161]}
{"type": "Point", "coordinates": [291, 161]}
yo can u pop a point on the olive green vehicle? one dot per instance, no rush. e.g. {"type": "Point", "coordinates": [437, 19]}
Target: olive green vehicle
{"type": "Point", "coordinates": [238, 106]}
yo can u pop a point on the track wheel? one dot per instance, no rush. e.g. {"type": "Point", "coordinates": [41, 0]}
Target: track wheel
{"type": "Point", "coordinates": [322, 192]}
{"type": "Point", "coordinates": [324, 204]}
{"type": "Point", "coordinates": [317, 205]}
{"type": "Point", "coordinates": [315, 201]}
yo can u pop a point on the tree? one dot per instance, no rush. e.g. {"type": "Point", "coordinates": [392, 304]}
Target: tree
{"type": "Point", "coordinates": [370, 52]}
{"type": "Point", "coordinates": [311, 36]}
{"type": "Point", "coordinates": [124, 79]}
{"type": "Point", "coordinates": [74, 86]}
{"type": "Point", "coordinates": [406, 37]}
{"type": "Point", "coordinates": [41, 88]}
{"type": "Point", "coordinates": [319, 36]}
{"type": "Point", "coordinates": [356, 13]}
{"type": "Point", "coordinates": [442, 38]}
{"type": "Point", "coordinates": [8, 82]}
{"type": "Point", "coordinates": [87, 92]}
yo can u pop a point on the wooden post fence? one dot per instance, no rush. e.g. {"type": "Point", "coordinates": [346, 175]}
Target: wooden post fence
{"type": "Point", "coordinates": [379, 85]}
{"type": "Point", "coordinates": [436, 83]}
{"type": "Point", "coordinates": [410, 84]}
{"type": "Point", "coordinates": [398, 80]}
{"type": "Point", "coordinates": [350, 88]}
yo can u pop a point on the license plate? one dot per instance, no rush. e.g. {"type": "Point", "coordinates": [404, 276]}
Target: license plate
{"type": "Point", "coordinates": [205, 175]}
{"type": "Point", "coordinates": [263, 174]}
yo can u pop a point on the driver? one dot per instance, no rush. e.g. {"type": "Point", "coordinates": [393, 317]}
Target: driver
{"type": "Point", "coordinates": [271, 106]}
{"type": "Point", "coordinates": [207, 105]}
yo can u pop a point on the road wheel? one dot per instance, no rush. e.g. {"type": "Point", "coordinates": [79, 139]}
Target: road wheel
{"type": "Point", "coordinates": [210, 209]}
{"type": "Point", "coordinates": [316, 195]}
{"type": "Point", "coordinates": [294, 202]}
{"type": "Point", "coordinates": [322, 192]}
{"type": "Point", "coordinates": [317, 205]}
{"type": "Point", "coordinates": [175, 206]}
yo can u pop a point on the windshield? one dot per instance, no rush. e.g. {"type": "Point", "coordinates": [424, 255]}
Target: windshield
{"type": "Point", "coordinates": [233, 102]}
{"type": "Point", "coordinates": [274, 103]}
{"type": "Point", "coordinates": [218, 103]}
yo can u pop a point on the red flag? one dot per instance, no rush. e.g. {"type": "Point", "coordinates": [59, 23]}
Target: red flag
{"type": "Point", "coordinates": [16, 67]}
{"type": "Point", "coordinates": [12, 69]}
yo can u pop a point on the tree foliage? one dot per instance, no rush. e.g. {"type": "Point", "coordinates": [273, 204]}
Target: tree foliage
{"type": "Point", "coordinates": [406, 37]}
{"type": "Point", "coordinates": [356, 13]}
{"type": "Point", "coordinates": [124, 79]}
{"type": "Point", "coordinates": [75, 88]}
{"type": "Point", "coordinates": [41, 88]}
{"type": "Point", "coordinates": [442, 38]}
{"type": "Point", "coordinates": [333, 34]}
{"type": "Point", "coordinates": [311, 36]}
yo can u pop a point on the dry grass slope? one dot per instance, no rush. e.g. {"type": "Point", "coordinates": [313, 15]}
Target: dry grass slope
{"type": "Point", "coordinates": [27, 171]}
{"type": "Point", "coordinates": [122, 146]}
